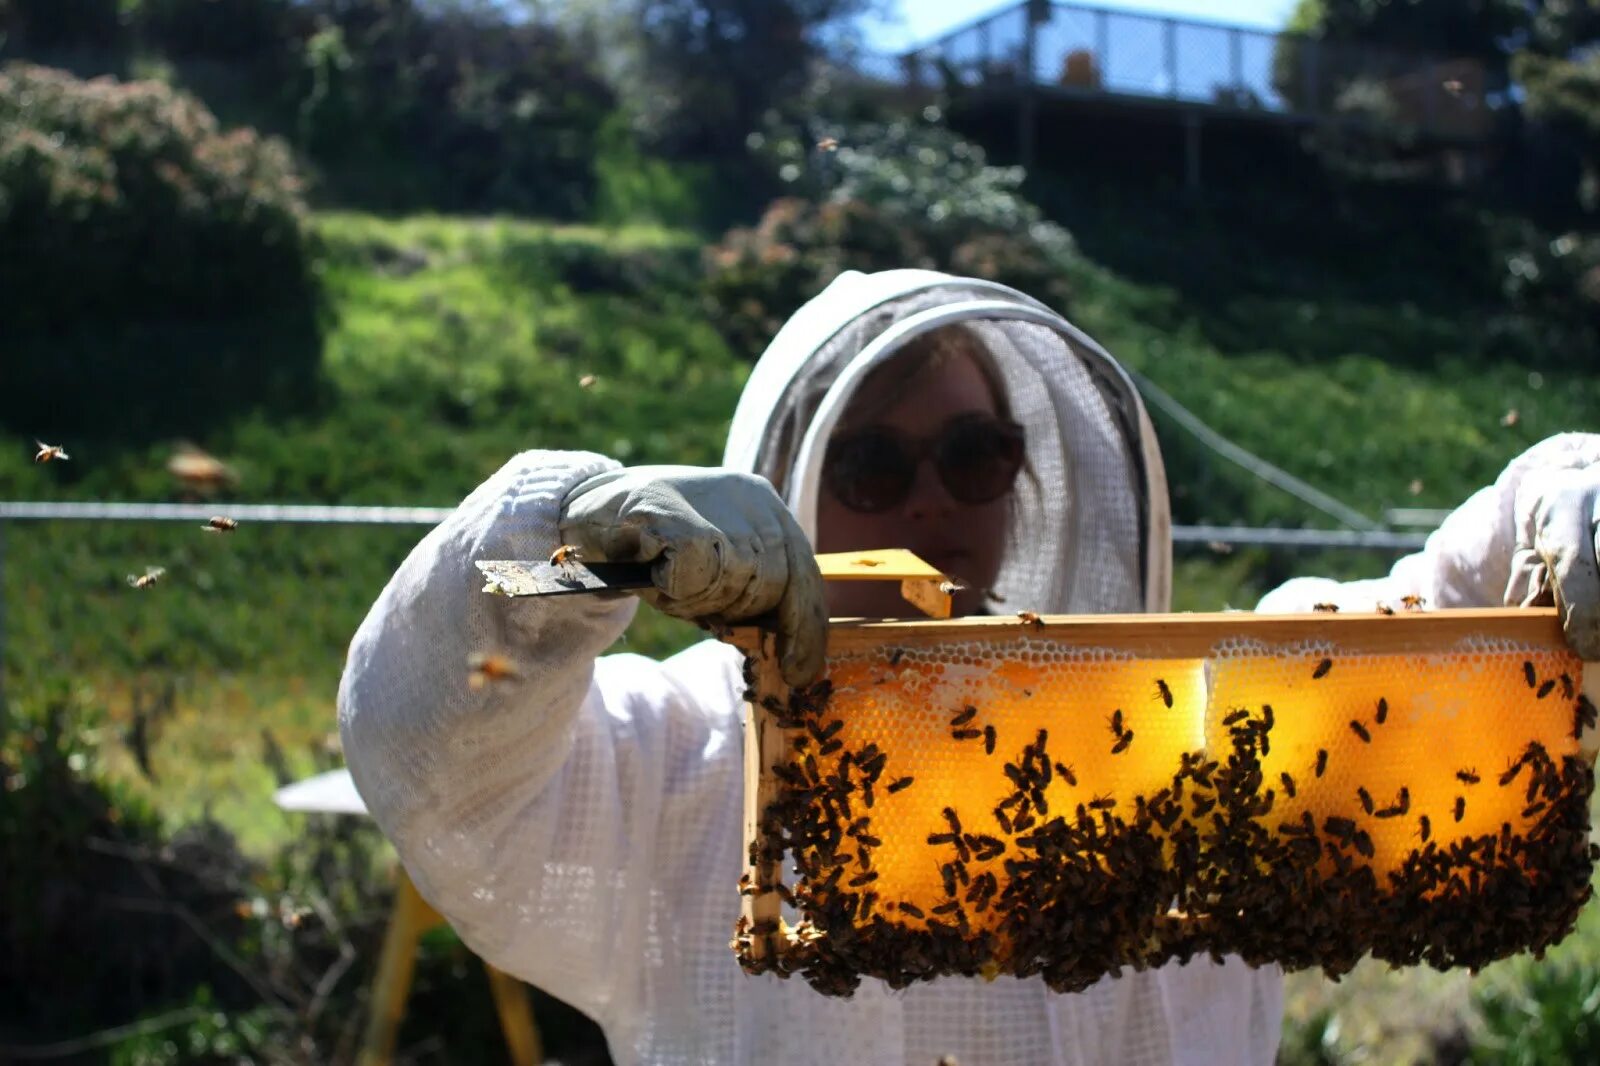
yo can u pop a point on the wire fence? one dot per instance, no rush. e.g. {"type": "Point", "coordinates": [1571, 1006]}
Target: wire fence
{"type": "Point", "coordinates": [327, 514]}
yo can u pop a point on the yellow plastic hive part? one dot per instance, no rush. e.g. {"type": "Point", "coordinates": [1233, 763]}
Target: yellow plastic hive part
{"type": "Point", "coordinates": [1078, 795]}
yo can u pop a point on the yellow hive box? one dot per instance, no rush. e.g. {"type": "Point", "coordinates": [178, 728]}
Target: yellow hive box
{"type": "Point", "coordinates": [1071, 796]}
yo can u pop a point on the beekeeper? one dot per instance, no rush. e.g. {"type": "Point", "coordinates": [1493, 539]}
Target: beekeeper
{"type": "Point", "coordinates": [581, 827]}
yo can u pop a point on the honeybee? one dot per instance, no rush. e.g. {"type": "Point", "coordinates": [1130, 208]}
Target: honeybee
{"type": "Point", "coordinates": [565, 556]}
{"type": "Point", "coordinates": [586, 381]}
{"type": "Point", "coordinates": [1383, 608]}
{"type": "Point", "coordinates": [1327, 608]}
{"type": "Point", "coordinates": [1164, 692]}
{"type": "Point", "coordinates": [485, 667]}
{"type": "Point", "coordinates": [1469, 777]}
{"type": "Point", "coordinates": [49, 452]}
{"type": "Point", "coordinates": [1383, 710]}
{"type": "Point", "coordinates": [950, 588]}
{"type": "Point", "coordinates": [1361, 731]}
{"type": "Point", "coordinates": [1412, 602]}
{"type": "Point", "coordinates": [151, 575]}
{"type": "Point", "coordinates": [828, 144]}
{"type": "Point", "coordinates": [1031, 618]}
{"type": "Point", "coordinates": [1322, 761]}
{"type": "Point", "coordinates": [1460, 808]}
{"type": "Point", "coordinates": [220, 524]}
{"type": "Point", "coordinates": [1322, 669]}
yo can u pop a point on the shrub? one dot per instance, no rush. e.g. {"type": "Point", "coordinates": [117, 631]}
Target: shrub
{"type": "Point", "coordinates": [472, 111]}
{"type": "Point", "coordinates": [899, 194]}
{"type": "Point", "coordinates": [124, 201]}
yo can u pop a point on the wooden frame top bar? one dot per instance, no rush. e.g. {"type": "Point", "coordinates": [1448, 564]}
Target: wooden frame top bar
{"type": "Point", "coordinates": [1193, 636]}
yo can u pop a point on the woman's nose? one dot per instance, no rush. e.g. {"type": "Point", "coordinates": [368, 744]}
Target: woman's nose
{"type": "Point", "coordinates": [929, 498]}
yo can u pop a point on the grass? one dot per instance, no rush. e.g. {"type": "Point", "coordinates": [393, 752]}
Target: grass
{"type": "Point", "coordinates": [449, 344]}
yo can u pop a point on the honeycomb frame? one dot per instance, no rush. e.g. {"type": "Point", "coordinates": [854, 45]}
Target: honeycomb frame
{"type": "Point", "coordinates": [1273, 787]}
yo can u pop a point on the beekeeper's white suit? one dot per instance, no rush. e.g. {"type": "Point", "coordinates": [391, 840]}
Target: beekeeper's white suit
{"type": "Point", "coordinates": [582, 829]}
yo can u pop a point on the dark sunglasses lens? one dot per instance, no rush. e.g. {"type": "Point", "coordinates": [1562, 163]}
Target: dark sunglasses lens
{"type": "Point", "coordinates": [868, 472]}
{"type": "Point", "coordinates": [979, 461]}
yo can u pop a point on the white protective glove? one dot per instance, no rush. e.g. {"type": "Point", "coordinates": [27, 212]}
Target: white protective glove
{"type": "Point", "coordinates": [1553, 561]}
{"type": "Point", "coordinates": [725, 549]}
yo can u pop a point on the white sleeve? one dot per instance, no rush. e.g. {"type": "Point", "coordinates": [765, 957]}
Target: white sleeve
{"type": "Point", "coordinates": [527, 811]}
{"type": "Point", "coordinates": [1466, 562]}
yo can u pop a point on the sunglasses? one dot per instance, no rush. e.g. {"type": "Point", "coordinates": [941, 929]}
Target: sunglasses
{"type": "Point", "coordinates": [977, 457]}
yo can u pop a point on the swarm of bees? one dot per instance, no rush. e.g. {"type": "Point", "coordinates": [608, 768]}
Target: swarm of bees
{"type": "Point", "coordinates": [1176, 871]}
{"type": "Point", "coordinates": [49, 453]}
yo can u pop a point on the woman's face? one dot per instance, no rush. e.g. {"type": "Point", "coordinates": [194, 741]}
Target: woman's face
{"type": "Point", "coordinates": [965, 541]}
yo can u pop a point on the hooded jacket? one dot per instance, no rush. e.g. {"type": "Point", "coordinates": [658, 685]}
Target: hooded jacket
{"type": "Point", "coordinates": [582, 828]}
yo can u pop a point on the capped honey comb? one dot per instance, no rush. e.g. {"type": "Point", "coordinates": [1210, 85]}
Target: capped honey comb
{"type": "Point", "coordinates": [1076, 797]}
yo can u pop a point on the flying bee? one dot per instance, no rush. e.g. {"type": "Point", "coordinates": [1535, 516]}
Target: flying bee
{"type": "Point", "coordinates": [1327, 608]}
{"type": "Point", "coordinates": [565, 556]}
{"type": "Point", "coordinates": [1361, 731]}
{"type": "Point", "coordinates": [828, 144]}
{"type": "Point", "coordinates": [49, 453]}
{"type": "Point", "coordinates": [1322, 761]}
{"type": "Point", "coordinates": [1322, 669]}
{"type": "Point", "coordinates": [587, 381]}
{"type": "Point", "coordinates": [151, 575]}
{"type": "Point", "coordinates": [1412, 602]}
{"type": "Point", "coordinates": [487, 667]}
{"type": "Point", "coordinates": [1031, 618]}
{"type": "Point", "coordinates": [1164, 692]}
{"type": "Point", "coordinates": [950, 588]}
{"type": "Point", "coordinates": [220, 524]}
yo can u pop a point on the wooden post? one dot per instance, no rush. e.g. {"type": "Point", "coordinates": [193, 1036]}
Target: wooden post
{"type": "Point", "coordinates": [411, 917]}
{"type": "Point", "coordinates": [516, 1018]}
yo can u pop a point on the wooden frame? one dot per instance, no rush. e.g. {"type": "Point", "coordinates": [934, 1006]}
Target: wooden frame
{"type": "Point", "coordinates": [1180, 636]}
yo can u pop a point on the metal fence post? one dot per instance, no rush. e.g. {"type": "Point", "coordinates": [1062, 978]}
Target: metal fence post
{"type": "Point", "coordinates": [1236, 60]}
{"type": "Point", "coordinates": [1170, 47]}
{"type": "Point", "coordinates": [1102, 43]}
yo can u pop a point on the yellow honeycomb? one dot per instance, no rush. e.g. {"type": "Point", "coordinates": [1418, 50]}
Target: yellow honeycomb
{"type": "Point", "coordinates": [1026, 805]}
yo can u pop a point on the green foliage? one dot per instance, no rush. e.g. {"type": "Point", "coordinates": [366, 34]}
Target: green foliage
{"type": "Point", "coordinates": [896, 194]}
{"type": "Point", "coordinates": [1553, 1015]}
{"type": "Point", "coordinates": [239, 30]}
{"type": "Point", "coordinates": [631, 187]}
{"type": "Point", "coordinates": [710, 71]}
{"type": "Point", "coordinates": [481, 113]}
{"type": "Point", "coordinates": [124, 202]}
{"type": "Point", "coordinates": [69, 23]}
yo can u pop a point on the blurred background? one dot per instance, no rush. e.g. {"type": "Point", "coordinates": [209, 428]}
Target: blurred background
{"type": "Point", "coordinates": [350, 255]}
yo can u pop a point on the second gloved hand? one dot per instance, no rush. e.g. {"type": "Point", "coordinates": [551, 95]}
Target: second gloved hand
{"type": "Point", "coordinates": [723, 545]}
